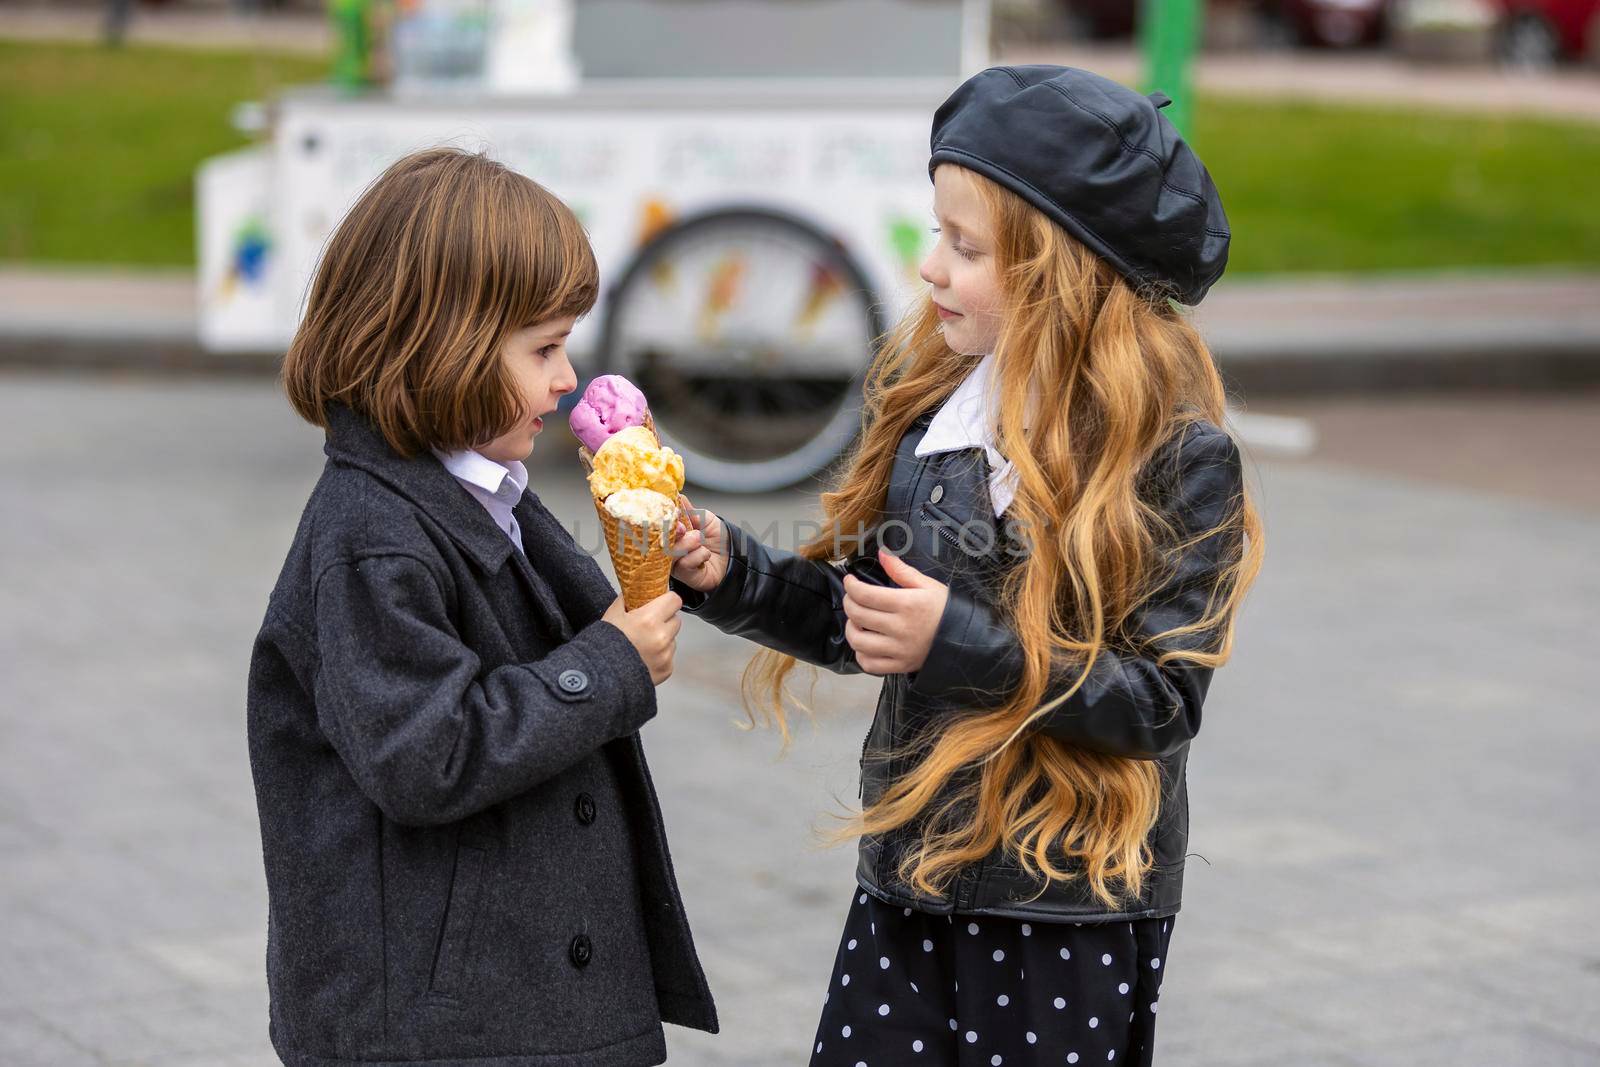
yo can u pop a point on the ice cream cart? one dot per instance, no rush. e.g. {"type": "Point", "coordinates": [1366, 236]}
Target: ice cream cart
{"type": "Point", "coordinates": [758, 224]}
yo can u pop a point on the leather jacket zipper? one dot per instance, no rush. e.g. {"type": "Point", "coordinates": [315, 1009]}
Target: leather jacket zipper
{"type": "Point", "coordinates": [941, 524]}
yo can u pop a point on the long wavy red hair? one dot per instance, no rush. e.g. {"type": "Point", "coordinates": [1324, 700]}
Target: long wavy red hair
{"type": "Point", "coordinates": [1129, 371]}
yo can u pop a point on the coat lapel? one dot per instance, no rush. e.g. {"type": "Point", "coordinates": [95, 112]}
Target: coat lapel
{"type": "Point", "coordinates": [576, 579]}
{"type": "Point", "coordinates": [423, 480]}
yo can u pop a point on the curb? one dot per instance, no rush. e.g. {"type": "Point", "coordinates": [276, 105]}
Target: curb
{"type": "Point", "coordinates": [1299, 370]}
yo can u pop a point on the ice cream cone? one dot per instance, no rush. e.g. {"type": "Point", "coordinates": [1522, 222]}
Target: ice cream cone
{"type": "Point", "coordinates": [640, 555]}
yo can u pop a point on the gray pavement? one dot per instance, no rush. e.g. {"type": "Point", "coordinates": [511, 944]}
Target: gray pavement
{"type": "Point", "coordinates": [1307, 335]}
{"type": "Point", "coordinates": [1392, 794]}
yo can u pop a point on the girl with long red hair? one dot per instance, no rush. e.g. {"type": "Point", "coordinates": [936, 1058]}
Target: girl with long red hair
{"type": "Point", "coordinates": [1041, 544]}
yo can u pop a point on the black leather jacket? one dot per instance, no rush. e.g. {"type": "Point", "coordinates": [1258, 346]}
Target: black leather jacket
{"type": "Point", "coordinates": [940, 505]}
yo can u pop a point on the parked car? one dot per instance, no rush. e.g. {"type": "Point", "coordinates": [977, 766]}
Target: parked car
{"type": "Point", "coordinates": [1539, 33]}
{"type": "Point", "coordinates": [1324, 23]}
{"type": "Point", "coordinates": [1335, 23]}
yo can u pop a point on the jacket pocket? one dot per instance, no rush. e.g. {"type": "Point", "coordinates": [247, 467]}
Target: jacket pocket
{"type": "Point", "coordinates": [976, 537]}
{"type": "Point", "coordinates": [455, 935]}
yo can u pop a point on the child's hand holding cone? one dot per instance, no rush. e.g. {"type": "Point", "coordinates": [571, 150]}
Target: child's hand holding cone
{"type": "Point", "coordinates": [700, 543]}
{"type": "Point", "coordinates": [652, 629]}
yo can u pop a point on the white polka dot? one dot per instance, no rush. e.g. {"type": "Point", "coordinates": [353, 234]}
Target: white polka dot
{"type": "Point", "coordinates": [908, 913]}
{"type": "Point", "coordinates": [845, 1032]}
{"type": "Point", "coordinates": [972, 928]}
{"type": "Point", "coordinates": [927, 946]}
{"type": "Point", "coordinates": [883, 963]}
{"type": "Point", "coordinates": [861, 1063]}
{"type": "Point", "coordinates": [1033, 1038]}
{"type": "Point", "coordinates": [1027, 931]}
{"type": "Point", "coordinates": [1111, 1055]}
{"type": "Point", "coordinates": [914, 988]}
{"type": "Point", "coordinates": [862, 899]}
{"type": "Point", "coordinates": [1002, 1000]}
{"type": "Point", "coordinates": [972, 1037]}
{"type": "Point", "coordinates": [916, 1046]}
{"type": "Point", "coordinates": [1163, 927]}
{"type": "Point", "coordinates": [999, 955]}
{"type": "Point", "coordinates": [958, 987]}
{"type": "Point", "coordinates": [1066, 954]}
{"type": "Point", "coordinates": [995, 1060]}
{"type": "Point", "coordinates": [1060, 1004]}
{"type": "Point", "coordinates": [883, 1009]}
{"type": "Point", "coordinates": [873, 927]}
{"type": "Point", "coordinates": [1094, 1021]}
{"type": "Point", "coordinates": [1106, 959]}
{"type": "Point", "coordinates": [819, 1046]}
{"type": "Point", "coordinates": [1072, 1057]}
{"type": "Point", "coordinates": [851, 947]}
{"type": "Point", "coordinates": [1123, 988]}
{"type": "Point", "coordinates": [1130, 1016]}
{"type": "Point", "coordinates": [1022, 976]}
{"type": "Point", "coordinates": [1155, 964]}
{"type": "Point", "coordinates": [1154, 1004]}
{"type": "Point", "coordinates": [952, 1024]}
{"type": "Point", "coordinates": [844, 979]}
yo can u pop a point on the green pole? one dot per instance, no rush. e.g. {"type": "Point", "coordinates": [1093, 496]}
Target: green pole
{"type": "Point", "coordinates": [1169, 31]}
{"type": "Point", "coordinates": [352, 44]}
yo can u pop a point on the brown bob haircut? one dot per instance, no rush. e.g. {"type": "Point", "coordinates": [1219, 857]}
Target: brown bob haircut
{"type": "Point", "coordinates": [442, 258]}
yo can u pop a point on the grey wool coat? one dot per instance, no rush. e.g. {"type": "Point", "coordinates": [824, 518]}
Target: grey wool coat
{"type": "Point", "coordinates": [465, 861]}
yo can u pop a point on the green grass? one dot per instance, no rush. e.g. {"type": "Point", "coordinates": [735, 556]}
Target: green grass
{"type": "Point", "coordinates": [98, 147]}
{"type": "Point", "coordinates": [98, 150]}
{"type": "Point", "coordinates": [1314, 187]}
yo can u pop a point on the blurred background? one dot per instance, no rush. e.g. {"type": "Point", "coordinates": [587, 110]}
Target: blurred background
{"type": "Point", "coordinates": [1395, 855]}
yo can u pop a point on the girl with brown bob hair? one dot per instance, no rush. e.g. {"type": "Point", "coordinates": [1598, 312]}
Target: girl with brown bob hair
{"type": "Point", "coordinates": [1025, 813]}
{"type": "Point", "coordinates": [465, 859]}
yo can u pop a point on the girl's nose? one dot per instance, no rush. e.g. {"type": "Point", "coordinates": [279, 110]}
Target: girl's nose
{"type": "Point", "coordinates": [929, 271]}
{"type": "Point", "coordinates": [566, 381]}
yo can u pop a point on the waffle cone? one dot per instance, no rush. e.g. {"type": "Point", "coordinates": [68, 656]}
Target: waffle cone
{"type": "Point", "coordinates": [643, 563]}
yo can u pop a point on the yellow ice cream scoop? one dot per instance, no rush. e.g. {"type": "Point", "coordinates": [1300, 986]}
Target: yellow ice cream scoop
{"type": "Point", "coordinates": [633, 459]}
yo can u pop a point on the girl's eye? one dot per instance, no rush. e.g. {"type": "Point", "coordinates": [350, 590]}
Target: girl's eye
{"type": "Point", "coordinates": [964, 253]}
{"type": "Point", "coordinates": [548, 350]}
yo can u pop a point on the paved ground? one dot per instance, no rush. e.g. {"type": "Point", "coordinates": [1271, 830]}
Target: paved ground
{"type": "Point", "coordinates": [1310, 334]}
{"type": "Point", "coordinates": [1392, 795]}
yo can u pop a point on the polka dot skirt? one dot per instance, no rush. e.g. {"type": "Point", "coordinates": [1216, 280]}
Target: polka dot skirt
{"type": "Point", "coordinates": [910, 988]}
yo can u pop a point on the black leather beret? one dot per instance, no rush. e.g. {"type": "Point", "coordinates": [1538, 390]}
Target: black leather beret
{"type": "Point", "coordinates": [1099, 159]}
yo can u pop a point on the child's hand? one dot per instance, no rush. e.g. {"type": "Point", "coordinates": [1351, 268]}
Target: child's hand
{"type": "Point", "coordinates": [891, 630]}
{"type": "Point", "coordinates": [653, 630]}
{"type": "Point", "coordinates": [701, 545]}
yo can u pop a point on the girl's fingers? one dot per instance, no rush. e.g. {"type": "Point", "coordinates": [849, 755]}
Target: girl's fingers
{"type": "Point", "coordinates": [882, 622]}
{"type": "Point", "coordinates": [877, 597]}
{"type": "Point", "coordinates": [865, 642]}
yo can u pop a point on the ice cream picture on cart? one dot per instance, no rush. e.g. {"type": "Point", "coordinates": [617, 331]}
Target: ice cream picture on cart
{"type": "Point", "coordinates": [635, 482]}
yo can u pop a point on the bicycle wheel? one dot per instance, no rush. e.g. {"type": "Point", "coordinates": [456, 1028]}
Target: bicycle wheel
{"type": "Point", "coordinates": [750, 331]}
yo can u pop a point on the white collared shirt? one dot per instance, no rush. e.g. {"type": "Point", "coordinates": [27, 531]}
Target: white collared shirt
{"type": "Point", "coordinates": [967, 420]}
{"type": "Point", "coordinates": [497, 486]}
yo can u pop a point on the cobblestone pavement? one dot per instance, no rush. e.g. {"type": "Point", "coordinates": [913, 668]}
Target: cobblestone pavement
{"type": "Point", "coordinates": [1392, 796]}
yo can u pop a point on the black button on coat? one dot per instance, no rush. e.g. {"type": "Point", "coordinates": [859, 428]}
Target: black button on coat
{"type": "Point", "coordinates": [424, 705]}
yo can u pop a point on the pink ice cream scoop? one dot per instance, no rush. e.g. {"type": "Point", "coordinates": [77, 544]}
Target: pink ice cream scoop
{"type": "Point", "coordinates": [610, 405]}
